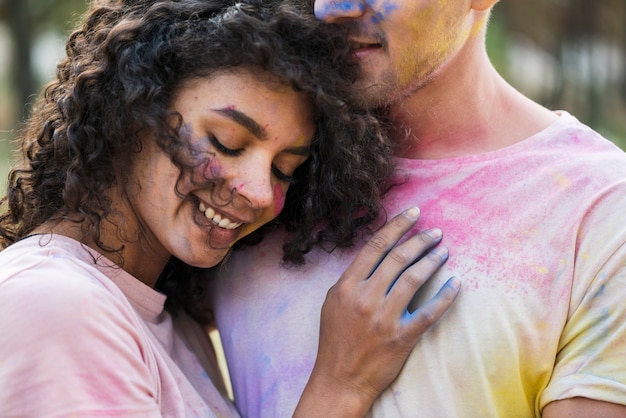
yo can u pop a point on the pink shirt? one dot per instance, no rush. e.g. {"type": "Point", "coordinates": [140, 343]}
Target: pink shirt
{"type": "Point", "coordinates": [83, 339]}
{"type": "Point", "coordinates": [537, 235]}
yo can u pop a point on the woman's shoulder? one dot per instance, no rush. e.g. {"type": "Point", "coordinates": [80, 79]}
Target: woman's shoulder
{"type": "Point", "coordinates": [62, 322]}
{"type": "Point", "coordinates": [53, 284]}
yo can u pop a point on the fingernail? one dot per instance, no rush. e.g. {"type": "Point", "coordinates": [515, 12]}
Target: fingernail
{"type": "Point", "coordinates": [412, 213]}
{"type": "Point", "coordinates": [454, 283]}
{"type": "Point", "coordinates": [441, 252]}
{"type": "Point", "coordinates": [434, 233]}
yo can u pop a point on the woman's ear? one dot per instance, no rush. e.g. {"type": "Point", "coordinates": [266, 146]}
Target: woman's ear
{"type": "Point", "coordinates": [483, 5]}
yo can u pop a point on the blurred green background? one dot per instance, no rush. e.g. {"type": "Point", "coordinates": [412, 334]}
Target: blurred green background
{"type": "Point", "coordinates": [565, 54]}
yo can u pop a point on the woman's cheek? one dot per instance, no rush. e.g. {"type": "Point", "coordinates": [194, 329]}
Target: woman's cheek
{"type": "Point", "coordinates": [279, 198]}
{"type": "Point", "coordinates": [214, 169]}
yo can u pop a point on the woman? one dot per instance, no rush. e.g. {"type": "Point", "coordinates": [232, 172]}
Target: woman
{"type": "Point", "coordinates": [173, 130]}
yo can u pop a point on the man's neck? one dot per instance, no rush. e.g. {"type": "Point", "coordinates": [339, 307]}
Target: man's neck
{"type": "Point", "coordinates": [466, 112]}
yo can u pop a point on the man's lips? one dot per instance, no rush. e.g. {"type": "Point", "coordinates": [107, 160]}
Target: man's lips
{"type": "Point", "coordinates": [360, 47]}
{"type": "Point", "coordinates": [364, 45]}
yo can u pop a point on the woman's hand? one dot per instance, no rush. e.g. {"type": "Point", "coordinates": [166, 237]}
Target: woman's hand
{"type": "Point", "coordinates": [366, 332]}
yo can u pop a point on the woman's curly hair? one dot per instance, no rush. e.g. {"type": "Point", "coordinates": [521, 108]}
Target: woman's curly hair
{"type": "Point", "coordinates": [122, 69]}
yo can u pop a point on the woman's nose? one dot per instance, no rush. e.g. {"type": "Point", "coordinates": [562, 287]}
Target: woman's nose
{"type": "Point", "coordinates": [334, 11]}
{"type": "Point", "coordinates": [255, 185]}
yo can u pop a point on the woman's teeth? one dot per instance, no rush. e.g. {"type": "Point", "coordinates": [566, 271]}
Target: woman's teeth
{"type": "Point", "coordinates": [217, 219]}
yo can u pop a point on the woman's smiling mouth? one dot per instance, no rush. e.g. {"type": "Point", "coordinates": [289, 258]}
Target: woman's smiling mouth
{"type": "Point", "coordinates": [218, 219]}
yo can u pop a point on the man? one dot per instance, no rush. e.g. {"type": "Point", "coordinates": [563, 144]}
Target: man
{"type": "Point", "coordinates": [531, 203]}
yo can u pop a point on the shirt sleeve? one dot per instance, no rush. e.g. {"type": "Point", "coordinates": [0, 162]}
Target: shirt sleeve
{"type": "Point", "coordinates": [591, 360]}
{"type": "Point", "coordinates": [69, 347]}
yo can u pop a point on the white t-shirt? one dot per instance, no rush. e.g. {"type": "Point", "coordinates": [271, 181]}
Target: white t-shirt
{"type": "Point", "coordinates": [536, 233]}
{"type": "Point", "coordinates": [84, 339]}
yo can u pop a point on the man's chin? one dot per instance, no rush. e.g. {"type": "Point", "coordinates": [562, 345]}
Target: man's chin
{"type": "Point", "coordinates": [371, 95]}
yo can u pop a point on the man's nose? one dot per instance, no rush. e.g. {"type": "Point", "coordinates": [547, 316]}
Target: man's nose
{"type": "Point", "coordinates": [334, 11]}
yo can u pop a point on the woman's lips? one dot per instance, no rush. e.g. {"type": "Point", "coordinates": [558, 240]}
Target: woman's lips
{"type": "Point", "coordinates": [218, 219]}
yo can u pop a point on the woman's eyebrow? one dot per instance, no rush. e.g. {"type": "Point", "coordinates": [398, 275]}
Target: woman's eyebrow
{"type": "Point", "coordinates": [244, 120]}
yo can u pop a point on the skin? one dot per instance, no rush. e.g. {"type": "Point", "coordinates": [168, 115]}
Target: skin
{"type": "Point", "coordinates": [268, 128]}
{"type": "Point", "coordinates": [247, 137]}
{"type": "Point", "coordinates": [422, 57]}
{"type": "Point", "coordinates": [347, 376]}
{"type": "Point", "coordinates": [493, 114]}
{"type": "Point", "coordinates": [393, 68]}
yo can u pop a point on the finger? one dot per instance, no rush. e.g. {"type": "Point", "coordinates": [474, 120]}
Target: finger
{"type": "Point", "coordinates": [379, 245]}
{"type": "Point", "coordinates": [401, 258]}
{"type": "Point", "coordinates": [411, 280]}
{"type": "Point", "coordinates": [426, 315]}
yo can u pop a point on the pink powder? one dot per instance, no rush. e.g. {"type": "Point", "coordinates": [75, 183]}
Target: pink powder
{"type": "Point", "coordinates": [279, 198]}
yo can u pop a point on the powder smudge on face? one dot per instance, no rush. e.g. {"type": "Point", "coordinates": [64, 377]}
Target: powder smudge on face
{"type": "Point", "coordinates": [214, 169]}
{"type": "Point", "coordinates": [279, 198]}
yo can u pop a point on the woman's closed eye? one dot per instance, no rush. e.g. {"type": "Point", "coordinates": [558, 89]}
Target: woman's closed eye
{"type": "Point", "coordinates": [237, 152]}
{"type": "Point", "coordinates": [284, 177]}
{"type": "Point", "coordinates": [223, 149]}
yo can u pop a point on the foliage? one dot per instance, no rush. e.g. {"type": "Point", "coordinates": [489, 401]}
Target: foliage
{"type": "Point", "coordinates": [584, 48]}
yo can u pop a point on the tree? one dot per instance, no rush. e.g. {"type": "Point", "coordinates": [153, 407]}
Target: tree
{"type": "Point", "coordinates": [26, 20]}
{"type": "Point", "coordinates": [587, 40]}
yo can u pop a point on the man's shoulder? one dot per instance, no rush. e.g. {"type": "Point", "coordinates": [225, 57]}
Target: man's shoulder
{"type": "Point", "coordinates": [570, 132]}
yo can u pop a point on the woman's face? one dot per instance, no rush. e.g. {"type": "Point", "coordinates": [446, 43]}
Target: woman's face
{"type": "Point", "coordinates": [248, 138]}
